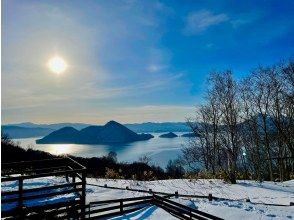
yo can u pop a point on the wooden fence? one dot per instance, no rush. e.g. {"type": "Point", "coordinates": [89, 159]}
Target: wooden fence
{"type": "Point", "coordinates": [116, 207]}
{"type": "Point", "coordinates": [33, 202]}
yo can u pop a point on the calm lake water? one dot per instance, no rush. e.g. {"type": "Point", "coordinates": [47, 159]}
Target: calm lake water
{"type": "Point", "coordinates": [160, 150]}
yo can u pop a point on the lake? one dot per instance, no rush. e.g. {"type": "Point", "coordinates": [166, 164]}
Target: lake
{"type": "Point", "coordinates": [160, 150]}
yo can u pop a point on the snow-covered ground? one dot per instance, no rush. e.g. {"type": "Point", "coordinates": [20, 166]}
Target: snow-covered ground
{"type": "Point", "coordinates": [236, 208]}
{"type": "Point", "coordinates": [266, 192]}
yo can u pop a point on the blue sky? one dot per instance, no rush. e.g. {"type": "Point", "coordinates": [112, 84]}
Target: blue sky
{"type": "Point", "coordinates": [131, 61]}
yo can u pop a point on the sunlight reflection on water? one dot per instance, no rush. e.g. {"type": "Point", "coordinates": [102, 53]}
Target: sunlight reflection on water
{"type": "Point", "coordinates": [60, 149]}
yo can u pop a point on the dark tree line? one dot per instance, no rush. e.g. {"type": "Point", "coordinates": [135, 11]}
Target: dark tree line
{"type": "Point", "coordinates": [246, 126]}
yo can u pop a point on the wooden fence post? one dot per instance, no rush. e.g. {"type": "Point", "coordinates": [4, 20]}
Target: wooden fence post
{"type": "Point", "coordinates": [83, 198]}
{"type": "Point", "coordinates": [20, 188]}
{"type": "Point", "coordinates": [73, 177]}
{"type": "Point", "coordinates": [210, 197]}
{"type": "Point", "coordinates": [66, 177]}
{"type": "Point", "coordinates": [121, 206]}
{"type": "Point", "coordinates": [20, 196]}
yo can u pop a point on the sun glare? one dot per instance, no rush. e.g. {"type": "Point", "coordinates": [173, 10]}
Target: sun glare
{"type": "Point", "coordinates": [60, 149]}
{"type": "Point", "coordinates": [57, 65]}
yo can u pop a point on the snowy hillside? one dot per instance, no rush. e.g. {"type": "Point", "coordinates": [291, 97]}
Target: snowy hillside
{"type": "Point", "coordinates": [236, 208]}
{"type": "Point", "coordinates": [267, 192]}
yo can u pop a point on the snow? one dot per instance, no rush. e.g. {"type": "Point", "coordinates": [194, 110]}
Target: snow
{"type": "Point", "coordinates": [241, 210]}
{"type": "Point", "coordinates": [233, 206]}
{"type": "Point", "coordinates": [151, 212]}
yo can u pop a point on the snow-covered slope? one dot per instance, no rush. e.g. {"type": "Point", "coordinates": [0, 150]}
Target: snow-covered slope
{"type": "Point", "coordinates": [236, 208]}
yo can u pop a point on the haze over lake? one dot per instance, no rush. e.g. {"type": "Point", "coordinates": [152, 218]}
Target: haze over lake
{"type": "Point", "coordinates": [160, 150]}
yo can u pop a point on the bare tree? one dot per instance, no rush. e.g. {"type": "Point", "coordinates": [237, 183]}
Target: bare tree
{"type": "Point", "coordinates": [255, 116]}
{"type": "Point", "coordinates": [218, 127]}
{"type": "Point", "coordinates": [251, 140]}
{"type": "Point", "coordinates": [145, 159]}
{"type": "Point", "coordinates": [227, 93]}
{"type": "Point", "coordinates": [282, 114]}
{"type": "Point", "coordinates": [261, 97]}
{"type": "Point", "coordinates": [206, 147]}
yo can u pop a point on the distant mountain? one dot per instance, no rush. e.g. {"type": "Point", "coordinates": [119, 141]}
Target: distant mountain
{"type": "Point", "coordinates": [159, 127]}
{"type": "Point", "coordinates": [136, 127]}
{"type": "Point", "coordinates": [54, 126]}
{"type": "Point", "coordinates": [168, 135]}
{"type": "Point", "coordinates": [23, 132]}
{"type": "Point", "coordinates": [111, 133]}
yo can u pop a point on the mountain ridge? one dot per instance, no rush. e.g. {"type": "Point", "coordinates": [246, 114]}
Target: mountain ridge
{"type": "Point", "coordinates": [137, 127]}
{"type": "Point", "coordinates": [13, 131]}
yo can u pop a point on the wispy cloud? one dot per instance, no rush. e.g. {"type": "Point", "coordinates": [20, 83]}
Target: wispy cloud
{"type": "Point", "coordinates": [246, 19]}
{"type": "Point", "coordinates": [155, 68]}
{"type": "Point", "coordinates": [200, 21]}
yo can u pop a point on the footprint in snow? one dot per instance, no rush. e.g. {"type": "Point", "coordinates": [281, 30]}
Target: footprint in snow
{"type": "Point", "coordinates": [89, 190]}
{"type": "Point", "coordinates": [260, 211]}
{"type": "Point", "coordinates": [271, 215]}
{"type": "Point", "coordinates": [249, 208]}
{"type": "Point", "coordinates": [238, 205]}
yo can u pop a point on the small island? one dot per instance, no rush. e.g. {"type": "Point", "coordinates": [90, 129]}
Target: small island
{"type": "Point", "coordinates": [191, 135]}
{"type": "Point", "coordinates": [168, 135]}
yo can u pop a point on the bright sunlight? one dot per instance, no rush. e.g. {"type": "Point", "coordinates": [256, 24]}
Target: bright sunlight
{"type": "Point", "coordinates": [57, 65]}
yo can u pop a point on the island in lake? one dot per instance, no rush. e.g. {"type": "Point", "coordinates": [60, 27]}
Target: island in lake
{"type": "Point", "coordinates": [168, 135]}
{"type": "Point", "coordinates": [191, 135]}
{"type": "Point", "coordinates": [110, 133]}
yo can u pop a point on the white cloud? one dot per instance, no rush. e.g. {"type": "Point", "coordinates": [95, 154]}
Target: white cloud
{"type": "Point", "coordinates": [209, 46]}
{"type": "Point", "coordinates": [200, 21]}
{"type": "Point", "coordinates": [155, 68]}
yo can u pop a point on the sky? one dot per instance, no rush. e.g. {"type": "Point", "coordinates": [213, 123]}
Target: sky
{"type": "Point", "coordinates": [131, 61]}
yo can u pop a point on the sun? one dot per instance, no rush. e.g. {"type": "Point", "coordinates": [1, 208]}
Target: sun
{"type": "Point", "coordinates": [57, 65]}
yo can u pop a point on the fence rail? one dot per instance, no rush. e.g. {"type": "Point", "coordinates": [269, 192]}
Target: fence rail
{"type": "Point", "coordinates": [116, 207]}
{"type": "Point", "coordinates": [181, 210]}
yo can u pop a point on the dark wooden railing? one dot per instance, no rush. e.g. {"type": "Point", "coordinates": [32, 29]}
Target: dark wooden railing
{"type": "Point", "coordinates": [20, 198]}
{"type": "Point", "coordinates": [116, 207]}
{"type": "Point", "coordinates": [180, 210]}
